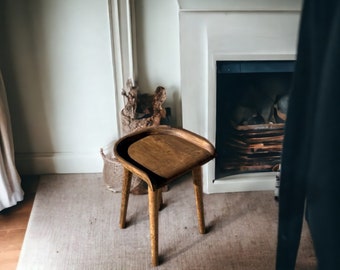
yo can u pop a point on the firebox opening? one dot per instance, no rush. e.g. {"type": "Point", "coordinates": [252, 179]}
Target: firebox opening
{"type": "Point", "coordinates": [252, 100]}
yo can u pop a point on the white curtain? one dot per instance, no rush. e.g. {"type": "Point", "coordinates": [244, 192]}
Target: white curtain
{"type": "Point", "coordinates": [10, 182]}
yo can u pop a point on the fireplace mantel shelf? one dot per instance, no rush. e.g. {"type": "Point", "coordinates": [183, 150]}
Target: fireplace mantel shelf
{"type": "Point", "coordinates": [243, 5]}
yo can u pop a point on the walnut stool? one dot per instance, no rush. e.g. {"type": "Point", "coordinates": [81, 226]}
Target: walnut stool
{"type": "Point", "coordinates": [159, 155]}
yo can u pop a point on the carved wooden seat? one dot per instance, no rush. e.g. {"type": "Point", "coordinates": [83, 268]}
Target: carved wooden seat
{"type": "Point", "coordinates": [159, 155]}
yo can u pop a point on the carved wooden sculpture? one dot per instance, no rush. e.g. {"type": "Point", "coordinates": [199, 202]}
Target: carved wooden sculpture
{"type": "Point", "coordinates": [133, 120]}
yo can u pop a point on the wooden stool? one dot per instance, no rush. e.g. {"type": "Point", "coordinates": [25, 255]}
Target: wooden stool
{"type": "Point", "coordinates": [159, 155]}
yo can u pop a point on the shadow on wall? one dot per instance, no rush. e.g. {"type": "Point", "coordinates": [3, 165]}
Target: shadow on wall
{"type": "Point", "coordinates": [24, 64]}
{"type": "Point", "coordinates": [176, 107]}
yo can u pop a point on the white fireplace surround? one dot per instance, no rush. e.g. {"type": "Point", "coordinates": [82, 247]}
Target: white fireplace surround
{"type": "Point", "coordinates": [229, 30]}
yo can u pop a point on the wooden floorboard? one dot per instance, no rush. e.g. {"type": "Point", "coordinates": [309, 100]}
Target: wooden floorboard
{"type": "Point", "coordinates": [13, 224]}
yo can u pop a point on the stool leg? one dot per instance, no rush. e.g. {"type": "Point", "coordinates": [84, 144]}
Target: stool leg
{"type": "Point", "coordinates": [197, 176]}
{"type": "Point", "coordinates": [153, 216]}
{"type": "Point", "coordinates": [125, 197]}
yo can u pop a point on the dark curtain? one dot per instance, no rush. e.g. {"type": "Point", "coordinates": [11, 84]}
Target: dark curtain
{"type": "Point", "coordinates": [310, 160]}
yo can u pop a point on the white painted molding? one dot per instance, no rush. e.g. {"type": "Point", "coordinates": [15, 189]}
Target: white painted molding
{"type": "Point", "coordinates": [122, 26]}
{"type": "Point", "coordinates": [243, 182]}
{"type": "Point", "coordinates": [50, 163]}
{"type": "Point", "coordinates": [243, 5]}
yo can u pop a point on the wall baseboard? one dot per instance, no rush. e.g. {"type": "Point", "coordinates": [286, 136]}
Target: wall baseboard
{"type": "Point", "coordinates": [51, 163]}
{"type": "Point", "coordinates": [243, 183]}
{"type": "Point", "coordinates": [60, 163]}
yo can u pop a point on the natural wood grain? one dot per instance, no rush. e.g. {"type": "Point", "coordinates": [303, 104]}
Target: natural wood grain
{"type": "Point", "coordinates": [166, 149]}
{"type": "Point", "coordinates": [125, 197]}
{"type": "Point", "coordinates": [197, 179]}
{"type": "Point", "coordinates": [153, 217]}
{"type": "Point", "coordinates": [159, 155]}
{"type": "Point", "coordinates": [162, 153]}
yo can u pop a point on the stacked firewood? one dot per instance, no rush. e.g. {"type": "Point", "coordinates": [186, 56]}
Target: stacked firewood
{"type": "Point", "coordinates": [254, 147]}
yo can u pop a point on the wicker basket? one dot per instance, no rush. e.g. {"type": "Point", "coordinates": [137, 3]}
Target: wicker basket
{"type": "Point", "coordinates": [113, 173]}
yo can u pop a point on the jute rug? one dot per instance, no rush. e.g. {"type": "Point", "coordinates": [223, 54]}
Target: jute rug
{"type": "Point", "coordinates": [74, 225]}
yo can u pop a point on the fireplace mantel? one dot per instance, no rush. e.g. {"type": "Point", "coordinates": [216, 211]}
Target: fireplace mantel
{"type": "Point", "coordinates": [229, 30]}
{"type": "Point", "coordinates": [243, 5]}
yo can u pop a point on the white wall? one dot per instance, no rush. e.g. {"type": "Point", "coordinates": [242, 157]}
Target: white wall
{"type": "Point", "coordinates": [57, 66]}
{"type": "Point", "coordinates": [157, 33]}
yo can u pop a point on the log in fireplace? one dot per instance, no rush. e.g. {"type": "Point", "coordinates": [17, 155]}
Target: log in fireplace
{"type": "Point", "coordinates": [252, 101]}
